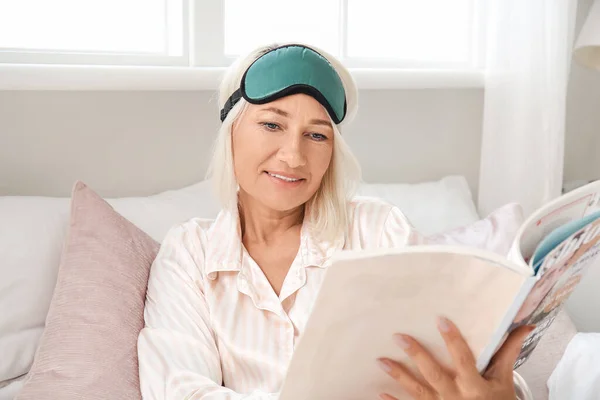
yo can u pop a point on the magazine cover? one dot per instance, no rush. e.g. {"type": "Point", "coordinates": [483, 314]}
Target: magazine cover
{"type": "Point", "coordinates": [559, 274]}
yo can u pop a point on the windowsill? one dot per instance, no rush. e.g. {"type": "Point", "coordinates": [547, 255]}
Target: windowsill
{"type": "Point", "coordinates": [80, 77]}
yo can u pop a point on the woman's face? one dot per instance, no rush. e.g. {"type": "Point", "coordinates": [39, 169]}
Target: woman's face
{"type": "Point", "coordinates": [281, 151]}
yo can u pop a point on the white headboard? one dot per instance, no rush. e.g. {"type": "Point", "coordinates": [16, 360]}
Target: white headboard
{"type": "Point", "coordinates": [139, 143]}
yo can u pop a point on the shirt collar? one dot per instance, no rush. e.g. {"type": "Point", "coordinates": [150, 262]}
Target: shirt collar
{"type": "Point", "coordinates": [225, 250]}
{"type": "Point", "coordinates": [224, 246]}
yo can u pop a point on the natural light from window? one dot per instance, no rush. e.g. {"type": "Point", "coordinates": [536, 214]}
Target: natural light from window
{"type": "Point", "coordinates": [399, 35]}
{"type": "Point", "coordinates": [104, 26]}
{"type": "Point", "coordinates": [410, 30]}
{"type": "Point", "coordinates": [389, 31]}
{"type": "Point", "coordinates": [252, 23]}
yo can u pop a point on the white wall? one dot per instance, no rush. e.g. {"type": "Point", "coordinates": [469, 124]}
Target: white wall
{"type": "Point", "coordinates": [582, 145]}
{"type": "Point", "coordinates": [582, 162]}
{"type": "Point", "coordinates": [582, 142]}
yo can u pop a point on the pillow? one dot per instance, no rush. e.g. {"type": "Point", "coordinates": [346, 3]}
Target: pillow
{"type": "Point", "coordinates": [431, 207]}
{"type": "Point", "coordinates": [89, 347]}
{"type": "Point", "coordinates": [156, 214]}
{"type": "Point", "coordinates": [9, 389]}
{"type": "Point", "coordinates": [31, 236]}
{"type": "Point", "coordinates": [496, 232]}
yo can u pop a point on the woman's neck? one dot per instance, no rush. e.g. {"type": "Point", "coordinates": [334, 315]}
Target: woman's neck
{"type": "Point", "coordinates": [263, 225]}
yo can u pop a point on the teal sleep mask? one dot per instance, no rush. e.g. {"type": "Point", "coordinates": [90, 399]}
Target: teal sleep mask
{"type": "Point", "coordinates": [289, 70]}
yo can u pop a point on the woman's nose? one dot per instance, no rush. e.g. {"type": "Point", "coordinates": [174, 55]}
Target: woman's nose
{"type": "Point", "coordinates": [291, 151]}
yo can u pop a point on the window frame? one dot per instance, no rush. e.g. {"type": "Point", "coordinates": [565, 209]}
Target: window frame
{"type": "Point", "coordinates": [203, 62]}
{"type": "Point", "coordinates": [96, 58]}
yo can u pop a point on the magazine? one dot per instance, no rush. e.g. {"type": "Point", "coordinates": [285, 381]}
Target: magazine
{"type": "Point", "coordinates": [367, 296]}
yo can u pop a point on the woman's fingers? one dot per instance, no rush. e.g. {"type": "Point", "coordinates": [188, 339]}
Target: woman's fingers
{"type": "Point", "coordinates": [501, 366]}
{"type": "Point", "coordinates": [438, 381]}
{"type": "Point", "coordinates": [462, 356]}
{"type": "Point", "coordinates": [413, 385]}
{"type": "Point", "coordinates": [436, 375]}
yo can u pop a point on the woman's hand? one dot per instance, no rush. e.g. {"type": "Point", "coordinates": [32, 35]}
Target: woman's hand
{"type": "Point", "coordinates": [463, 381]}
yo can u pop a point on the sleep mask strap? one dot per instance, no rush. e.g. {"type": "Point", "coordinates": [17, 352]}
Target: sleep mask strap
{"type": "Point", "coordinates": [231, 101]}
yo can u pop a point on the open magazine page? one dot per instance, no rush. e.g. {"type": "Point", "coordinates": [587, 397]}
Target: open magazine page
{"type": "Point", "coordinates": [569, 207]}
{"type": "Point", "coordinates": [561, 271]}
{"type": "Point", "coordinates": [368, 296]}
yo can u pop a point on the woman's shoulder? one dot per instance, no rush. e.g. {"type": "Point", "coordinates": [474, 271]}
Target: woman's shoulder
{"type": "Point", "coordinates": [362, 200]}
{"type": "Point", "coordinates": [195, 225]}
{"type": "Point", "coordinates": [200, 235]}
{"type": "Point", "coordinates": [372, 208]}
{"type": "Point", "coordinates": [378, 221]}
{"type": "Point", "coordinates": [190, 234]}
{"type": "Point", "coordinates": [186, 246]}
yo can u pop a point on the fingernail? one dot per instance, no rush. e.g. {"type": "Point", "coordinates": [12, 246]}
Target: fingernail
{"type": "Point", "coordinates": [402, 341]}
{"type": "Point", "coordinates": [443, 324]}
{"type": "Point", "coordinates": [384, 365]}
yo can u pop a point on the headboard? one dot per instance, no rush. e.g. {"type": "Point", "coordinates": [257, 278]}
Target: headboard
{"type": "Point", "coordinates": [140, 143]}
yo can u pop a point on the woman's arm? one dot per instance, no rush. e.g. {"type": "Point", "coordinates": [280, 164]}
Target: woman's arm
{"type": "Point", "coordinates": [177, 351]}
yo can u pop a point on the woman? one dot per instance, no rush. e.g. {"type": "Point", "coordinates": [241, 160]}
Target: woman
{"type": "Point", "coordinates": [228, 299]}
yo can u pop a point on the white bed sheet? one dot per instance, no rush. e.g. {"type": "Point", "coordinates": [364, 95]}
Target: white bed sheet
{"type": "Point", "coordinates": [577, 375]}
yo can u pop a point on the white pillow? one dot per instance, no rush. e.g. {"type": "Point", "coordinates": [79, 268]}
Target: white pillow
{"type": "Point", "coordinates": [432, 207]}
{"type": "Point", "coordinates": [32, 230]}
{"type": "Point", "coordinates": [156, 214]}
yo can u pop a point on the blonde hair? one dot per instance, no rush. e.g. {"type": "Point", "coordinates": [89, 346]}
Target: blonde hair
{"type": "Point", "coordinates": [328, 209]}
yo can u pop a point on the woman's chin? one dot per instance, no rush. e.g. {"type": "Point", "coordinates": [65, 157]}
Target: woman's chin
{"type": "Point", "coordinates": [282, 201]}
{"type": "Point", "coordinates": [284, 197]}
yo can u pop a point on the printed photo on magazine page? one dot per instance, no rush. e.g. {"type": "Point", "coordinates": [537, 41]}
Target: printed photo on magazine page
{"type": "Point", "coordinates": [560, 273]}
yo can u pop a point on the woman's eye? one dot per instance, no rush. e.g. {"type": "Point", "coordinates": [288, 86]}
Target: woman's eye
{"type": "Point", "coordinates": [270, 126]}
{"type": "Point", "coordinates": [318, 136]}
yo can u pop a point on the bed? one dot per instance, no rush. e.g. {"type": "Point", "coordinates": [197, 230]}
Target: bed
{"type": "Point", "coordinates": [156, 181]}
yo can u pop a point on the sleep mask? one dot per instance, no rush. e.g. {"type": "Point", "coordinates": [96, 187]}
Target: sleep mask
{"type": "Point", "coordinates": [289, 70]}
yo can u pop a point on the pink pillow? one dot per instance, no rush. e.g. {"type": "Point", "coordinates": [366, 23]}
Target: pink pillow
{"type": "Point", "coordinates": [89, 346]}
{"type": "Point", "coordinates": [495, 233]}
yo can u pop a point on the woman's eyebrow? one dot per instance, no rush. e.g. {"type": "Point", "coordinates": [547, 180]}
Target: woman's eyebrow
{"type": "Point", "coordinates": [279, 111]}
{"type": "Point", "coordinates": [276, 111]}
{"type": "Point", "coordinates": [320, 122]}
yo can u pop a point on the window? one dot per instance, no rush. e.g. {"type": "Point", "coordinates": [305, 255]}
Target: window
{"type": "Point", "coordinates": [410, 33]}
{"type": "Point", "coordinates": [146, 32]}
{"type": "Point", "coordinates": [365, 33]}
{"type": "Point", "coordinates": [251, 23]}
{"type": "Point", "coordinates": [391, 33]}
{"type": "Point", "coordinates": [202, 36]}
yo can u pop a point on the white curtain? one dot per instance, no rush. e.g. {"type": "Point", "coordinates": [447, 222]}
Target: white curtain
{"type": "Point", "coordinates": [528, 57]}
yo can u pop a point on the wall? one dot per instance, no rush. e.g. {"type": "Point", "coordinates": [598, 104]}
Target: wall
{"type": "Point", "coordinates": [582, 162]}
{"type": "Point", "coordinates": [582, 142]}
